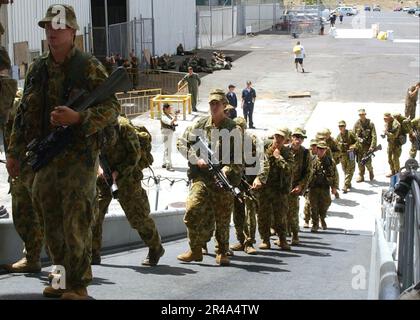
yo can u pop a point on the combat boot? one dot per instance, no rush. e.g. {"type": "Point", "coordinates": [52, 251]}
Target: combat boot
{"type": "Point", "coordinates": [50, 292]}
{"type": "Point", "coordinates": [371, 176]}
{"type": "Point", "coordinates": [324, 224]}
{"type": "Point", "coordinates": [345, 190]}
{"type": "Point", "coordinates": [96, 260]}
{"type": "Point", "coordinates": [237, 247]}
{"type": "Point", "coordinates": [265, 245]}
{"type": "Point", "coordinates": [315, 228]}
{"type": "Point", "coordinates": [284, 245]}
{"type": "Point", "coordinates": [306, 225]}
{"type": "Point", "coordinates": [249, 249]}
{"type": "Point", "coordinates": [222, 260]}
{"type": "Point", "coordinates": [192, 255]}
{"type": "Point", "coordinates": [153, 257]}
{"type": "Point", "coordinates": [76, 294]}
{"type": "Point", "coordinates": [23, 266]}
{"type": "Point", "coordinates": [360, 179]}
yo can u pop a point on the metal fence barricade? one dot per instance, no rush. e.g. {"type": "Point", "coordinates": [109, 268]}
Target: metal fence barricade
{"type": "Point", "coordinates": [135, 103]}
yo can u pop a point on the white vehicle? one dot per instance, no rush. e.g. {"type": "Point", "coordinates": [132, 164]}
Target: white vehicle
{"type": "Point", "coordinates": [347, 11]}
{"type": "Point", "coordinates": [405, 9]}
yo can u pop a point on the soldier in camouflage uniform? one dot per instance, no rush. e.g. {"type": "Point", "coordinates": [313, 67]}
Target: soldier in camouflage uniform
{"type": "Point", "coordinates": [307, 207]}
{"type": "Point", "coordinates": [393, 134]}
{"type": "Point", "coordinates": [25, 219]}
{"type": "Point", "coordinates": [207, 203]}
{"type": "Point", "coordinates": [414, 135]}
{"type": "Point", "coordinates": [365, 131]}
{"type": "Point", "coordinates": [411, 101]}
{"type": "Point", "coordinates": [123, 157]}
{"type": "Point", "coordinates": [301, 172]}
{"type": "Point", "coordinates": [64, 190]}
{"type": "Point", "coordinates": [322, 180]}
{"type": "Point", "coordinates": [274, 185]}
{"type": "Point", "coordinates": [28, 224]}
{"type": "Point", "coordinates": [347, 144]}
{"type": "Point", "coordinates": [245, 222]}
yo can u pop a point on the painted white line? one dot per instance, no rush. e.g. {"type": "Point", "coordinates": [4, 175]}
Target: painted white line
{"type": "Point", "coordinates": [406, 40]}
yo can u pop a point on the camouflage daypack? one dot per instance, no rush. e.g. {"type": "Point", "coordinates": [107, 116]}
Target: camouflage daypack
{"type": "Point", "coordinates": [145, 139]}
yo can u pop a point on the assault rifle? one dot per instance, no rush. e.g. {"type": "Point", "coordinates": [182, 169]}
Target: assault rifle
{"type": "Point", "coordinates": [108, 176]}
{"type": "Point", "coordinates": [41, 152]}
{"type": "Point", "coordinates": [370, 155]}
{"type": "Point", "coordinates": [246, 188]}
{"type": "Point", "coordinates": [221, 180]}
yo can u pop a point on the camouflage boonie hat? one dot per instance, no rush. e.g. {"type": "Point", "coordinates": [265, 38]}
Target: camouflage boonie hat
{"type": "Point", "coordinates": [342, 123]}
{"type": "Point", "coordinates": [362, 111]}
{"type": "Point", "coordinates": [284, 132]}
{"type": "Point", "coordinates": [4, 59]}
{"type": "Point", "coordinates": [241, 122]}
{"type": "Point", "coordinates": [396, 115]}
{"type": "Point", "coordinates": [218, 95]}
{"type": "Point", "coordinates": [54, 13]}
{"type": "Point", "coordinates": [322, 145]}
{"type": "Point", "coordinates": [387, 114]}
{"type": "Point", "coordinates": [299, 132]}
{"type": "Point", "coordinates": [313, 142]}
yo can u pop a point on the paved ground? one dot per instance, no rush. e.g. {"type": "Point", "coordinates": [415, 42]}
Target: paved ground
{"type": "Point", "coordinates": [343, 75]}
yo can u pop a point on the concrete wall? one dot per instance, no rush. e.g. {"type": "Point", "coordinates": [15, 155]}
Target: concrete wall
{"type": "Point", "coordinates": [117, 233]}
{"type": "Point", "coordinates": [23, 17]}
{"type": "Point", "coordinates": [175, 22]}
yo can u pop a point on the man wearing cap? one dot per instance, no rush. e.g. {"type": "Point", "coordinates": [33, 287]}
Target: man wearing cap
{"type": "Point", "coordinates": [207, 204]}
{"type": "Point", "coordinates": [411, 101]}
{"type": "Point", "coordinates": [301, 172]}
{"type": "Point", "coordinates": [414, 136]}
{"type": "Point", "coordinates": [307, 208]}
{"type": "Point", "coordinates": [168, 124]}
{"type": "Point", "coordinates": [244, 218]}
{"type": "Point", "coordinates": [393, 133]}
{"type": "Point", "coordinates": [274, 183]}
{"type": "Point", "coordinates": [347, 144]}
{"type": "Point", "coordinates": [233, 101]}
{"type": "Point", "coordinates": [63, 191]}
{"type": "Point", "coordinates": [249, 96]}
{"type": "Point", "coordinates": [365, 131]}
{"type": "Point", "coordinates": [193, 80]}
{"type": "Point", "coordinates": [25, 219]}
{"type": "Point", "coordinates": [322, 180]}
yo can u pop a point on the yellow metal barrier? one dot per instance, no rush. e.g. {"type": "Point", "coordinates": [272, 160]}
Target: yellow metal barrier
{"type": "Point", "coordinates": [157, 103]}
{"type": "Point", "coordinates": [134, 103]}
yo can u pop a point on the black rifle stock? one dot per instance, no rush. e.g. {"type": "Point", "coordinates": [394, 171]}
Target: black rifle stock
{"type": "Point", "coordinates": [221, 180]}
{"type": "Point", "coordinates": [41, 152]}
{"type": "Point", "coordinates": [370, 155]}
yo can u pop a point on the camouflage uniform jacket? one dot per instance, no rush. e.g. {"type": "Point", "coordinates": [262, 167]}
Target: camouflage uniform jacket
{"type": "Point", "coordinates": [346, 142]}
{"type": "Point", "coordinates": [277, 173]}
{"type": "Point", "coordinates": [33, 118]}
{"type": "Point", "coordinates": [366, 132]}
{"type": "Point", "coordinates": [323, 173]}
{"type": "Point", "coordinates": [123, 153]}
{"type": "Point", "coordinates": [8, 89]}
{"type": "Point", "coordinates": [393, 130]}
{"type": "Point", "coordinates": [205, 126]}
{"type": "Point", "coordinates": [302, 167]}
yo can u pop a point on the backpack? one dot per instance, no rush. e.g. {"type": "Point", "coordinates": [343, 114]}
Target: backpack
{"type": "Point", "coordinates": [405, 129]}
{"type": "Point", "coordinates": [145, 139]}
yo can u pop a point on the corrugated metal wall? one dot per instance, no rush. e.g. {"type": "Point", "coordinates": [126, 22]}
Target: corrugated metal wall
{"type": "Point", "coordinates": [175, 22]}
{"type": "Point", "coordinates": [25, 14]}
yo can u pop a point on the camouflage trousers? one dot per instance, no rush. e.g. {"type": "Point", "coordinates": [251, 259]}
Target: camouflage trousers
{"type": "Point", "coordinates": [320, 200]}
{"type": "Point", "coordinates": [28, 223]}
{"type": "Point", "coordinates": [245, 220]}
{"type": "Point", "coordinates": [293, 214]}
{"type": "Point", "coordinates": [410, 111]}
{"type": "Point", "coordinates": [272, 203]}
{"type": "Point", "coordinates": [64, 192]}
{"type": "Point", "coordinates": [307, 208]}
{"type": "Point", "coordinates": [413, 151]}
{"type": "Point", "coordinates": [348, 167]}
{"type": "Point", "coordinates": [362, 168]}
{"type": "Point", "coordinates": [135, 203]}
{"type": "Point", "coordinates": [394, 154]}
{"type": "Point", "coordinates": [208, 208]}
